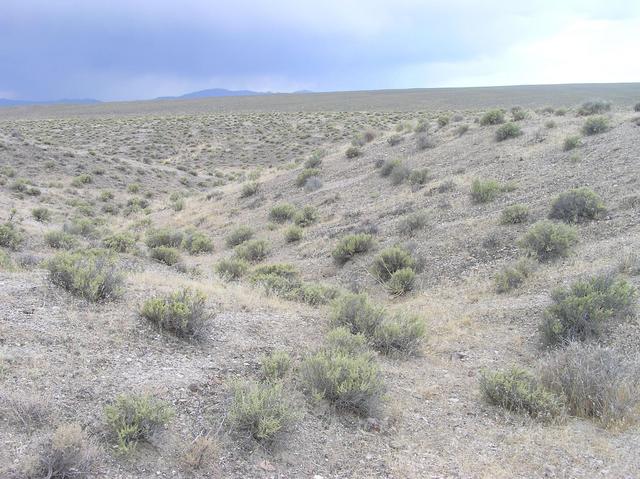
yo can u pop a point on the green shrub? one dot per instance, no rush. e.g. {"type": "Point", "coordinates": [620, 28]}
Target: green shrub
{"type": "Point", "coordinates": [514, 214]}
{"type": "Point", "coordinates": [293, 234]}
{"type": "Point", "coordinates": [492, 117]}
{"type": "Point", "coordinates": [10, 237]}
{"type": "Point", "coordinates": [315, 160]}
{"type": "Point", "coordinates": [282, 213]}
{"type": "Point", "coordinates": [120, 242]}
{"type": "Point", "coordinates": [355, 312]}
{"type": "Point", "coordinates": [399, 174]}
{"type": "Point", "coordinates": [81, 180]}
{"type": "Point", "coordinates": [253, 250]}
{"type": "Point", "coordinates": [351, 245]}
{"type": "Point", "coordinates": [412, 223]}
{"type": "Point", "coordinates": [394, 139]}
{"type": "Point", "coordinates": [548, 241]}
{"type": "Point", "coordinates": [60, 240]}
{"type": "Point", "coordinates": [512, 277]}
{"type": "Point", "coordinates": [636, 107]}
{"type": "Point", "coordinates": [133, 188]}
{"type": "Point", "coordinates": [238, 236]}
{"type": "Point", "coordinates": [577, 206]}
{"type": "Point", "coordinates": [85, 227]}
{"type": "Point", "coordinates": [306, 217]}
{"type": "Point", "coordinates": [91, 274]}
{"type": "Point", "coordinates": [249, 189]}
{"type": "Point", "coordinates": [348, 381]}
{"type": "Point", "coordinates": [390, 260]}
{"type": "Point", "coordinates": [41, 214]}
{"type": "Point", "coordinates": [276, 365]}
{"type": "Point", "coordinates": [353, 152]}
{"type": "Point", "coordinates": [401, 281]}
{"type": "Point", "coordinates": [261, 410]}
{"type": "Point", "coordinates": [305, 174]}
{"type": "Point", "coordinates": [443, 120]}
{"type": "Point", "coordinates": [401, 333]}
{"type": "Point", "coordinates": [571, 142]}
{"type": "Point", "coordinates": [581, 311]}
{"type": "Point", "coordinates": [508, 130]}
{"type": "Point", "coordinates": [484, 191]}
{"type": "Point", "coordinates": [518, 390]}
{"type": "Point", "coordinates": [594, 107]}
{"type": "Point", "coordinates": [134, 418]}
{"type": "Point", "coordinates": [164, 237]}
{"type": "Point", "coordinates": [424, 141]}
{"type": "Point", "coordinates": [388, 166]}
{"type": "Point", "coordinates": [283, 270]}
{"type": "Point", "coordinates": [342, 339]}
{"type": "Point", "coordinates": [315, 294]}
{"type": "Point", "coordinates": [518, 114]}
{"type": "Point", "coordinates": [182, 313]}
{"type": "Point", "coordinates": [597, 382]}
{"type": "Point", "coordinates": [165, 254]}
{"type": "Point", "coordinates": [595, 125]}
{"type": "Point", "coordinates": [418, 177]}
{"type": "Point", "coordinates": [196, 242]}
{"type": "Point", "coordinates": [231, 269]}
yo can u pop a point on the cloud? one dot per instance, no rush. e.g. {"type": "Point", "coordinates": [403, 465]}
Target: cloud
{"type": "Point", "coordinates": [130, 49]}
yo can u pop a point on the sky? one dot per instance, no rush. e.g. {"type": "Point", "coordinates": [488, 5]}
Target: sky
{"type": "Point", "coordinates": [141, 49]}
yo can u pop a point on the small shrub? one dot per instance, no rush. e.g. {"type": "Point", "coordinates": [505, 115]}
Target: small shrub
{"type": "Point", "coordinates": [81, 180]}
{"type": "Point", "coordinates": [165, 254]}
{"type": "Point", "coordinates": [306, 217]}
{"type": "Point", "coordinates": [418, 177]}
{"type": "Point", "coordinates": [260, 410]}
{"type": "Point", "coordinates": [60, 240]}
{"type": "Point", "coordinates": [391, 260]}
{"type": "Point", "coordinates": [313, 183]}
{"type": "Point", "coordinates": [134, 418]}
{"type": "Point", "coordinates": [571, 143]}
{"type": "Point", "coordinates": [636, 107]}
{"type": "Point", "coordinates": [305, 174]}
{"type": "Point", "coordinates": [461, 130]}
{"type": "Point", "coordinates": [68, 453]}
{"type": "Point", "coordinates": [85, 227]}
{"type": "Point", "coordinates": [164, 237]}
{"type": "Point", "coordinates": [10, 237]}
{"type": "Point", "coordinates": [352, 245]}
{"type": "Point", "coordinates": [514, 214]}
{"type": "Point", "coordinates": [519, 391]}
{"type": "Point", "coordinates": [412, 223]}
{"type": "Point", "coordinates": [518, 114]}
{"type": "Point", "coordinates": [388, 166]}
{"type": "Point", "coordinates": [401, 281]}
{"type": "Point", "coordinates": [120, 242]}
{"type": "Point", "coordinates": [249, 189]}
{"type": "Point", "coordinates": [231, 269]}
{"type": "Point", "coordinates": [399, 174]}
{"type": "Point", "coordinates": [595, 126]}
{"type": "Point", "coordinates": [577, 206]}
{"type": "Point", "coordinates": [492, 117]}
{"type": "Point", "coordinates": [581, 311]}
{"type": "Point", "coordinates": [548, 241]}
{"type": "Point", "coordinates": [41, 214]}
{"type": "Point", "coordinates": [182, 313]}
{"type": "Point", "coordinates": [512, 277]}
{"type": "Point", "coordinates": [355, 312]}
{"type": "Point", "coordinates": [424, 142]}
{"type": "Point", "coordinates": [401, 333]}
{"type": "Point", "coordinates": [276, 365]}
{"type": "Point", "coordinates": [596, 382]}
{"type": "Point", "coordinates": [5, 262]}
{"type": "Point", "coordinates": [91, 274]}
{"type": "Point", "coordinates": [342, 339]}
{"type": "Point", "coordinates": [394, 140]}
{"type": "Point", "coordinates": [196, 242]}
{"type": "Point", "coordinates": [133, 188]}
{"type": "Point", "coordinates": [201, 453]}
{"type": "Point", "coordinates": [349, 381]}
{"type": "Point", "coordinates": [443, 120]}
{"type": "Point", "coordinates": [293, 234]}
{"type": "Point", "coordinates": [315, 160]}
{"type": "Point", "coordinates": [484, 191]}
{"type": "Point", "coordinates": [252, 250]}
{"type": "Point", "coordinates": [594, 107]}
{"type": "Point", "coordinates": [353, 152]}
{"type": "Point", "coordinates": [550, 124]}
{"type": "Point", "coordinates": [238, 236]}
{"type": "Point", "coordinates": [508, 130]}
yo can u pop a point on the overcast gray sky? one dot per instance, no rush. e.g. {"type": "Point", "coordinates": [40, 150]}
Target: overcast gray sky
{"type": "Point", "coordinates": [138, 49]}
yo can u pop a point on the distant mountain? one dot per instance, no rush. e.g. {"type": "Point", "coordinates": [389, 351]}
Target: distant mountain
{"type": "Point", "coordinates": [216, 92]}
{"type": "Point", "coordinates": [64, 101]}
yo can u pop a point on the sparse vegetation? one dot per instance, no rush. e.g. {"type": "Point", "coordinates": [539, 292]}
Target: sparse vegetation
{"type": "Point", "coordinates": [352, 245]}
{"type": "Point", "coordinates": [275, 365]}
{"type": "Point", "coordinates": [571, 143]}
{"type": "Point", "coordinates": [10, 237]}
{"type": "Point", "coordinates": [595, 126]}
{"type": "Point", "coordinates": [119, 242]}
{"type": "Point", "coordinates": [305, 174]}
{"type": "Point", "coordinates": [594, 107]}
{"type": "Point", "coordinates": [60, 240]}
{"type": "Point", "coordinates": [547, 241]}
{"type": "Point", "coordinates": [238, 236]}
{"type": "Point", "coordinates": [577, 206]}
{"type": "Point", "coordinates": [293, 234]}
{"type": "Point", "coordinates": [182, 313]}
{"type": "Point", "coordinates": [165, 254]}
{"type": "Point", "coordinates": [231, 269]}
{"type": "Point", "coordinates": [512, 276]}
{"type": "Point", "coordinates": [514, 214]}
{"type": "Point", "coordinates": [254, 250]}
{"type": "Point", "coordinates": [484, 191]}
{"type": "Point", "coordinates": [282, 213]}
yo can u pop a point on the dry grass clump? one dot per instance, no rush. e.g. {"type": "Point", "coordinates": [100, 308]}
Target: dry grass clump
{"type": "Point", "coordinates": [133, 418]}
{"type": "Point", "coordinates": [581, 312]}
{"type": "Point", "coordinates": [68, 453]}
{"type": "Point", "coordinates": [519, 391]}
{"type": "Point", "coordinates": [577, 206]}
{"type": "Point", "coordinates": [352, 245]}
{"type": "Point", "coordinates": [547, 240]}
{"type": "Point", "coordinates": [261, 410]}
{"type": "Point", "coordinates": [514, 214]}
{"type": "Point", "coordinates": [238, 236]}
{"type": "Point", "coordinates": [202, 452]}
{"type": "Point", "coordinates": [90, 274]}
{"type": "Point", "coordinates": [596, 382]}
{"type": "Point", "coordinates": [513, 276]}
{"type": "Point", "coordinates": [182, 313]}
